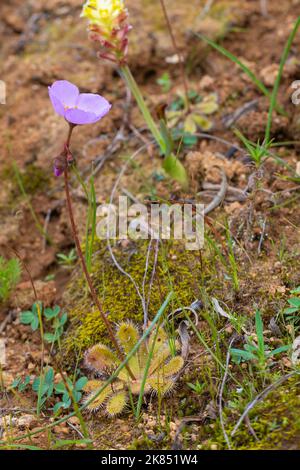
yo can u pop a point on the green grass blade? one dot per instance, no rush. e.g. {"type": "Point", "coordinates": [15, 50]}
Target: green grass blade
{"type": "Point", "coordinates": [245, 69]}
{"type": "Point", "coordinates": [259, 326]}
{"type": "Point", "coordinates": [34, 216]}
{"type": "Point", "coordinates": [283, 60]}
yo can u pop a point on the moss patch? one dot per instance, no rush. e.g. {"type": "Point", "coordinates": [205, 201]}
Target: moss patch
{"type": "Point", "coordinates": [177, 270]}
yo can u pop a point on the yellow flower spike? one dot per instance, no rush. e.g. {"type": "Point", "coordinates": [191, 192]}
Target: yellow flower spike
{"type": "Point", "coordinates": [104, 13]}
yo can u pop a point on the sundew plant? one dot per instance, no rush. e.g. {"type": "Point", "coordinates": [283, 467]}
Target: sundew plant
{"type": "Point", "coordinates": [149, 242]}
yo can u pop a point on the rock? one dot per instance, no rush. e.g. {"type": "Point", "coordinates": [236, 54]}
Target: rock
{"type": "Point", "coordinates": [233, 208]}
{"type": "Point", "coordinates": [27, 422]}
{"type": "Point", "coordinates": [268, 74]}
{"type": "Point", "coordinates": [24, 297]}
{"type": "Point", "coordinates": [74, 420]}
{"type": "Point", "coordinates": [61, 429]}
{"type": "Point", "coordinates": [206, 82]}
{"type": "Point", "coordinates": [2, 352]}
{"type": "Point", "coordinates": [296, 351]}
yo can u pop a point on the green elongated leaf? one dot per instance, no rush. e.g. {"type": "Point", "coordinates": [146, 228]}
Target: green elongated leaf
{"type": "Point", "coordinates": [174, 168]}
{"type": "Point", "coordinates": [259, 331]}
{"type": "Point", "coordinates": [26, 317]}
{"type": "Point", "coordinates": [291, 310]}
{"type": "Point", "coordinates": [295, 302]}
{"type": "Point", "coordinates": [166, 134]}
{"type": "Point", "coordinates": [70, 442]}
{"type": "Point", "coordinates": [250, 347]}
{"type": "Point", "coordinates": [35, 323]}
{"type": "Point", "coordinates": [21, 446]}
{"type": "Point", "coordinates": [296, 291]}
{"type": "Point", "coordinates": [240, 353]}
{"type": "Point", "coordinates": [279, 350]}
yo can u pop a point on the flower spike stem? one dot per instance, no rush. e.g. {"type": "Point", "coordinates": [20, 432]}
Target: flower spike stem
{"type": "Point", "coordinates": [133, 86]}
{"type": "Point", "coordinates": [84, 267]}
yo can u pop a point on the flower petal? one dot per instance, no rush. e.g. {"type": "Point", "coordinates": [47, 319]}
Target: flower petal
{"type": "Point", "coordinates": [77, 116]}
{"type": "Point", "coordinates": [57, 105]}
{"type": "Point", "coordinates": [92, 103]}
{"type": "Point", "coordinates": [65, 92]}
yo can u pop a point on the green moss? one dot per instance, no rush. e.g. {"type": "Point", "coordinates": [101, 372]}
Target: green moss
{"type": "Point", "coordinates": [33, 177]}
{"type": "Point", "coordinates": [177, 270]}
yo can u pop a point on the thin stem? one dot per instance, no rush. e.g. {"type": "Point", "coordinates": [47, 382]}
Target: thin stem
{"type": "Point", "coordinates": [131, 83]}
{"type": "Point", "coordinates": [176, 48]}
{"type": "Point", "coordinates": [85, 270]}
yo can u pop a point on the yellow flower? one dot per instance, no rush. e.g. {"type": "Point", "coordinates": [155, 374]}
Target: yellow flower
{"type": "Point", "coordinates": [104, 13]}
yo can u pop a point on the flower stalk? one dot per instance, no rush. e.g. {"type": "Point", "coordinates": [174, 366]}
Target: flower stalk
{"type": "Point", "coordinates": [134, 88]}
{"type": "Point", "coordinates": [81, 256]}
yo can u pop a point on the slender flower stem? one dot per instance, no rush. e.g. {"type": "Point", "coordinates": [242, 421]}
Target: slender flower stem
{"type": "Point", "coordinates": [176, 48]}
{"type": "Point", "coordinates": [128, 77]}
{"type": "Point", "coordinates": [85, 270]}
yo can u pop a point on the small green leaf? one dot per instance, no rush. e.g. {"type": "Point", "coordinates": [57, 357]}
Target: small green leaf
{"type": "Point", "coordinates": [58, 406]}
{"type": "Point", "coordinates": [51, 313]}
{"type": "Point", "coordinates": [26, 317]}
{"type": "Point", "coordinates": [203, 122]}
{"type": "Point", "coordinates": [63, 319]}
{"type": "Point", "coordinates": [190, 125]}
{"type": "Point", "coordinates": [49, 377]}
{"type": "Point", "coordinates": [81, 383]}
{"type": "Point", "coordinates": [16, 382]}
{"type": "Point", "coordinates": [49, 337]}
{"type": "Point", "coordinates": [208, 105]}
{"type": "Point", "coordinates": [60, 388]}
{"type": "Point", "coordinates": [296, 291]}
{"type": "Point", "coordinates": [35, 323]}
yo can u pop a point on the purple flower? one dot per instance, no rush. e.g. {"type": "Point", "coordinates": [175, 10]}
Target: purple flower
{"type": "Point", "coordinates": [75, 107]}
